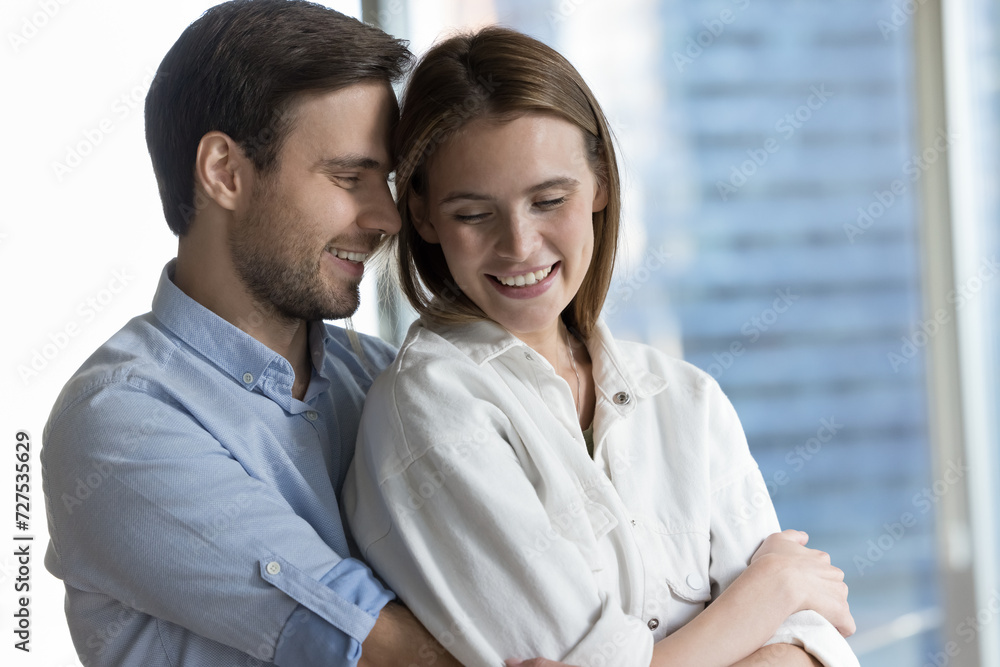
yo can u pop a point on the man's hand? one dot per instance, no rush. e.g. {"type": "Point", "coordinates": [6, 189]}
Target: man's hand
{"type": "Point", "coordinates": [398, 638]}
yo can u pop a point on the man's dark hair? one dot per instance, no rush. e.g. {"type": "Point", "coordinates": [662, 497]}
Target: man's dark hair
{"type": "Point", "coordinates": [240, 69]}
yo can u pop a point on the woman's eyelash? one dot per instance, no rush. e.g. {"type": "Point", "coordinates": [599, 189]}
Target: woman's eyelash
{"type": "Point", "coordinates": [546, 204]}
{"type": "Point", "coordinates": [470, 218]}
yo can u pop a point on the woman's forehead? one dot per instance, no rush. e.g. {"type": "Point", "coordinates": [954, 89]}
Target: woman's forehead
{"type": "Point", "coordinates": [529, 148]}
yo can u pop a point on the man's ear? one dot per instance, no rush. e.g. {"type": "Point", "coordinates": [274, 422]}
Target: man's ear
{"type": "Point", "coordinates": [421, 222]}
{"type": "Point", "coordinates": [221, 169]}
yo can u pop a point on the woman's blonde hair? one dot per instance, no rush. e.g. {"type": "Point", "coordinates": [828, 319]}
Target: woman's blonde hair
{"type": "Point", "coordinates": [502, 74]}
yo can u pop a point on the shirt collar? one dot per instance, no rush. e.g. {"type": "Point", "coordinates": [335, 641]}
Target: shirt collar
{"type": "Point", "coordinates": [240, 355]}
{"type": "Point", "coordinates": [319, 336]}
{"type": "Point", "coordinates": [484, 340]}
{"type": "Point", "coordinates": [615, 372]}
{"type": "Point", "coordinates": [481, 341]}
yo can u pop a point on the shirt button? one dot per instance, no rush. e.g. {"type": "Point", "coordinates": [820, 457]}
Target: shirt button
{"type": "Point", "coordinates": [248, 378]}
{"type": "Point", "coordinates": [695, 581]}
{"type": "Point", "coordinates": [527, 355]}
{"type": "Point", "coordinates": [653, 623]}
{"type": "Point", "coordinates": [273, 567]}
{"type": "Point", "coordinates": [312, 415]}
{"type": "Point", "coordinates": [622, 398]}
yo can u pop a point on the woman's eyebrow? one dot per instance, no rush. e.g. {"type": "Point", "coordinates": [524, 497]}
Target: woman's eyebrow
{"type": "Point", "coordinates": [455, 196]}
{"type": "Point", "coordinates": [561, 182]}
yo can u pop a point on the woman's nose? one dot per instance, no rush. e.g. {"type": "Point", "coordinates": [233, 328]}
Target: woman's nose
{"type": "Point", "coordinates": [516, 238]}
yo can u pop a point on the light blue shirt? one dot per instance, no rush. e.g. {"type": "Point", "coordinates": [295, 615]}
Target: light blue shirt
{"type": "Point", "coordinates": [192, 501]}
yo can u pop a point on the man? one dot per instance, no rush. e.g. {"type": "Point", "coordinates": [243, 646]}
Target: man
{"type": "Point", "coordinates": [192, 465]}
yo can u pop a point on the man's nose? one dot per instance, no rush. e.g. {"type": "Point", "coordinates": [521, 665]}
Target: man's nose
{"type": "Point", "coordinates": [378, 213]}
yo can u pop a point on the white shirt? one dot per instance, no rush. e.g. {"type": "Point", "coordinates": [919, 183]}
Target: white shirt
{"type": "Point", "coordinates": [473, 495]}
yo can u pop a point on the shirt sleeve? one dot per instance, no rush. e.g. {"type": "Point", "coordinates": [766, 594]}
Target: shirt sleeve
{"type": "Point", "coordinates": [742, 516]}
{"type": "Point", "coordinates": [308, 638]}
{"type": "Point", "coordinates": [145, 506]}
{"type": "Point", "coordinates": [459, 532]}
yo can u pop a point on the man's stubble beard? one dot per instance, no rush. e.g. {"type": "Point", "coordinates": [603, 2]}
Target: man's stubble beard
{"type": "Point", "coordinates": [281, 270]}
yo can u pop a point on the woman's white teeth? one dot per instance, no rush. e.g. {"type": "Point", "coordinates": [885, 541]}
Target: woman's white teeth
{"type": "Point", "coordinates": [525, 278]}
{"type": "Point", "coordinates": [350, 256]}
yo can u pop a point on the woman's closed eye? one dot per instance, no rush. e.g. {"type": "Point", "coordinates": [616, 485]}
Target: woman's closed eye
{"type": "Point", "coordinates": [548, 204]}
{"type": "Point", "coordinates": [471, 217]}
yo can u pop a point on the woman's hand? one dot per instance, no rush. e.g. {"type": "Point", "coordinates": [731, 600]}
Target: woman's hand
{"type": "Point", "coordinates": [805, 575]}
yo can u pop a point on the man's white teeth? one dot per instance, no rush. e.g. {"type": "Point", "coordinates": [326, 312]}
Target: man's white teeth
{"type": "Point", "coordinates": [350, 256]}
{"type": "Point", "coordinates": [525, 278]}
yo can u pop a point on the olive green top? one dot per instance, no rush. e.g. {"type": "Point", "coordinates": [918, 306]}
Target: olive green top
{"type": "Point", "coordinates": [588, 437]}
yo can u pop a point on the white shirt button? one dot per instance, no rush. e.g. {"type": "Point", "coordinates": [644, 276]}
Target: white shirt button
{"type": "Point", "coordinates": [695, 581]}
{"type": "Point", "coordinates": [248, 378]}
{"type": "Point", "coordinates": [312, 415]}
{"type": "Point", "coordinates": [622, 398]}
{"type": "Point", "coordinates": [273, 567]}
{"type": "Point", "coordinates": [653, 623]}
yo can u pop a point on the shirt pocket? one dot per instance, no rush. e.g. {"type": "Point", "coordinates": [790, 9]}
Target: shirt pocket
{"type": "Point", "coordinates": [677, 577]}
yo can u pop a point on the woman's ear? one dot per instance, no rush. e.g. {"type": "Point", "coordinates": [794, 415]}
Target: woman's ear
{"type": "Point", "coordinates": [421, 221]}
{"type": "Point", "coordinates": [600, 197]}
{"type": "Point", "coordinates": [221, 170]}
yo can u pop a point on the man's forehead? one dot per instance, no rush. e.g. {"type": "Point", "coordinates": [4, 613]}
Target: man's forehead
{"type": "Point", "coordinates": [345, 128]}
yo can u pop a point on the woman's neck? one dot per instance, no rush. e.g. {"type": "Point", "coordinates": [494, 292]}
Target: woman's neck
{"type": "Point", "coordinates": [550, 343]}
{"type": "Point", "coordinates": [571, 361]}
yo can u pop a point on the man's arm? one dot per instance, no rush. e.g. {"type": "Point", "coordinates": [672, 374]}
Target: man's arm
{"type": "Point", "coordinates": [398, 638]}
{"type": "Point", "coordinates": [149, 509]}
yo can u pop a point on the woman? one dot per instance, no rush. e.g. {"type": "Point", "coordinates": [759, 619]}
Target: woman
{"type": "Point", "coordinates": [528, 485]}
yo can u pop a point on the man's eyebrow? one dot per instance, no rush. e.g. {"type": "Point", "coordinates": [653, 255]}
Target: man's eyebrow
{"type": "Point", "coordinates": [350, 161]}
{"type": "Point", "coordinates": [562, 182]}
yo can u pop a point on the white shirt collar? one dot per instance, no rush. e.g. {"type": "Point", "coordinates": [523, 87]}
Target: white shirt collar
{"type": "Point", "coordinates": [484, 340]}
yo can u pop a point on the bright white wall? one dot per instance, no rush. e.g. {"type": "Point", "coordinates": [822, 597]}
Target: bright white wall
{"type": "Point", "coordinates": [81, 249]}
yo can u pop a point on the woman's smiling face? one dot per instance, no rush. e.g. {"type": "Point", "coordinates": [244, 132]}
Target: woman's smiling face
{"type": "Point", "coordinates": [511, 204]}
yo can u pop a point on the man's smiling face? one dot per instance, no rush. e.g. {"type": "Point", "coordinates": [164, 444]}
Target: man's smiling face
{"type": "Point", "coordinates": [299, 247]}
